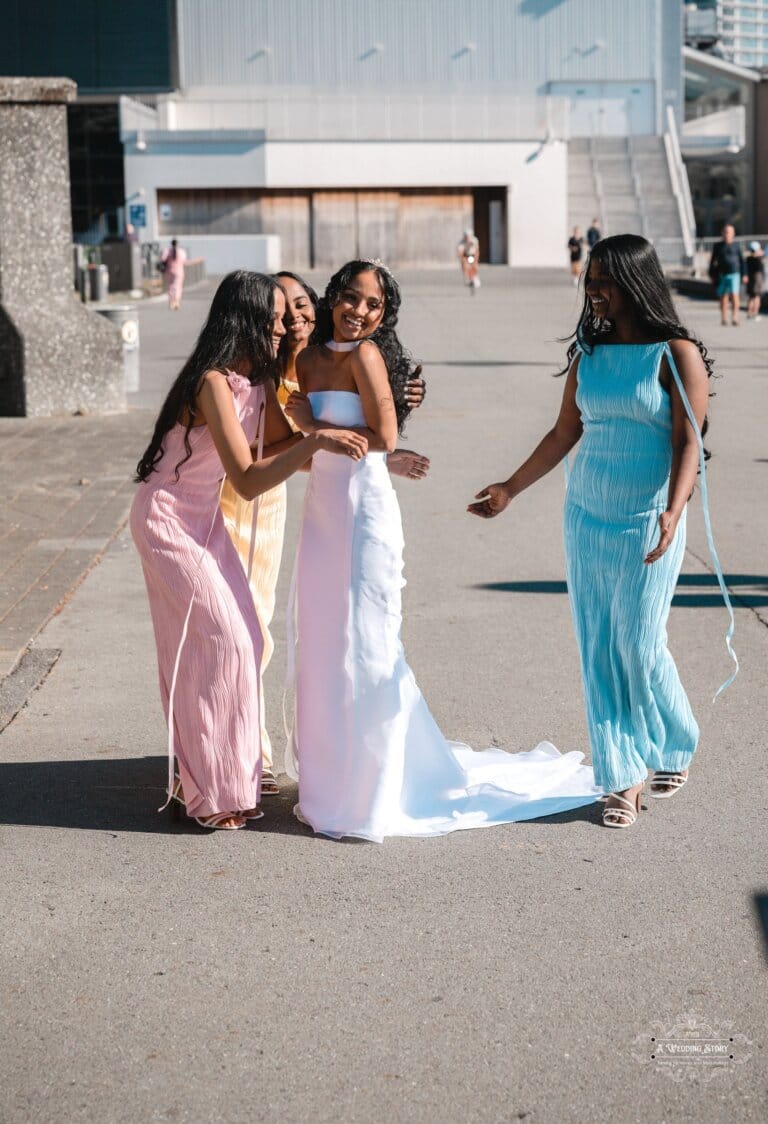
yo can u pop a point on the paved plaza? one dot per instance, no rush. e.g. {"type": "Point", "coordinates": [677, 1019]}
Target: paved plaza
{"type": "Point", "coordinates": [151, 971]}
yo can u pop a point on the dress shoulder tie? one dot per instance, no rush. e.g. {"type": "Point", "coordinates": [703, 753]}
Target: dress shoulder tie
{"type": "Point", "coordinates": [707, 521]}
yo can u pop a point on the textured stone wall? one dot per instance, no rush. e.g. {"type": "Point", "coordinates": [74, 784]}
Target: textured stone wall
{"type": "Point", "coordinates": [56, 356]}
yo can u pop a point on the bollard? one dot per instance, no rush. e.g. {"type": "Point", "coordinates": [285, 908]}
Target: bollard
{"type": "Point", "coordinates": [126, 318]}
{"type": "Point", "coordinates": [98, 282]}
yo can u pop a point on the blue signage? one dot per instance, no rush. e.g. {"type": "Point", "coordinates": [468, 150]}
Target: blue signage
{"type": "Point", "coordinates": [137, 214]}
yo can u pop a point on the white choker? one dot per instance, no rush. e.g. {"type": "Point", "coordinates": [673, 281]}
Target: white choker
{"type": "Point", "coordinates": [332, 345]}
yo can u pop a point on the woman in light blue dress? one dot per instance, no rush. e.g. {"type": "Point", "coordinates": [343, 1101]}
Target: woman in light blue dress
{"type": "Point", "coordinates": [635, 401]}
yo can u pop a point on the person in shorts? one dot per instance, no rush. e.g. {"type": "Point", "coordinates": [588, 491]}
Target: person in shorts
{"type": "Point", "coordinates": [726, 270]}
{"type": "Point", "coordinates": [755, 265]}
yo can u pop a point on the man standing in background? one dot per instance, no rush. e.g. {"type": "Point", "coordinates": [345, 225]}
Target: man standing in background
{"type": "Point", "coordinates": [726, 270]}
{"type": "Point", "coordinates": [594, 234]}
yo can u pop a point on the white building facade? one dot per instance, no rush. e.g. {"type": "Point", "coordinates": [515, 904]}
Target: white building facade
{"type": "Point", "coordinates": [385, 127]}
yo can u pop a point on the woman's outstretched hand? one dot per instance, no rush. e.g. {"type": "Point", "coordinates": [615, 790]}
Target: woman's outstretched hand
{"type": "Point", "coordinates": [299, 410]}
{"type": "Point", "coordinates": [491, 501]}
{"type": "Point", "coordinates": [404, 462]}
{"type": "Point", "coordinates": [345, 442]}
{"type": "Point", "coordinates": [667, 527]}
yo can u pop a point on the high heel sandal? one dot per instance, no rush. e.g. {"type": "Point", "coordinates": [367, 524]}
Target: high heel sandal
{"type": "Point", "coordinates": [216, 822]}
{"type": "Point", "coordinates": [622, 817]}
{"type": "Point", "coordinates": [671, 782]}
{"type": "Point", "coordinates": [269, 786]}
{"type": "Point", "coordinates": [176, 804]}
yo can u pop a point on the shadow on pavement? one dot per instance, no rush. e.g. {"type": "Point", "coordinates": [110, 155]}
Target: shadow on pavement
{"type": "Point", "coordinates": [114, 795]}
{"type": "Point", "coordinates": [486, 363]}
{"type": "Point", "coordinates": [761, 907]}
{"type": "Point", "coordinates": [683, 600]}
{"type": "Point", "coordinates": [123, 795]}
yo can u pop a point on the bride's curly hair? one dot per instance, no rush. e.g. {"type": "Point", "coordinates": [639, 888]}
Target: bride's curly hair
{"type": "Point", "coordinates": [633, 265]}
{"type": "Point", "coordinates": [399, 362]}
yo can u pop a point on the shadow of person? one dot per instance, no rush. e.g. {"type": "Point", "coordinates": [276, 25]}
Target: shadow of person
{"type": "Point", "coordinates": [114, 794]}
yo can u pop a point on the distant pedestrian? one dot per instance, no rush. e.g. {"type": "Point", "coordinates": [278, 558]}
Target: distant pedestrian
{"type": "Point", "coordinates": [468, 251]}
{"type": "Point", "coordinates": [174, 259]}
{"type": "Point", "coordinates": [594, 233]}
{"type": "Point", "coordinates": [726, 270]}
{"type": "Point", "coordinates": [576, 252]}
{"type": "Point", "coordinates": [755, 265]}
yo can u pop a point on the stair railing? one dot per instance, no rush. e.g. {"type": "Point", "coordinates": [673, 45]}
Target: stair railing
{"type": "Point", "coordinates": [680, 186]}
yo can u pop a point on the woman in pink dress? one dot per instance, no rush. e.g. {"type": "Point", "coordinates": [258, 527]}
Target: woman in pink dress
{"type": "Point", "coordinates": [221, 417]}
{"type": "Point", "coordinates": [174, 259]}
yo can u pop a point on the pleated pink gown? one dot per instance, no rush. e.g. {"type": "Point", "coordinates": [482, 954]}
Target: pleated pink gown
{"type": "Point", "coordinates": [189, 559]}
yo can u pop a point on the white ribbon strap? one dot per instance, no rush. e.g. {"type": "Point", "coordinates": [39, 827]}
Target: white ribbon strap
{"type": "Point", "coordinates": [177, 661]}
{"type": "Point", "coordinates": [707, 522]}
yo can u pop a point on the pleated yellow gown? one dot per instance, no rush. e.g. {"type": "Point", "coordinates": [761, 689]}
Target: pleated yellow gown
{"type": "Point", "coordinates": [269, 512]}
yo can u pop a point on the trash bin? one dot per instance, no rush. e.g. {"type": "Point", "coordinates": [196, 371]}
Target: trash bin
{"type": "Point", "coordinates": [126, 318]}
{"type": "Point", "coordinates": [98, 282]}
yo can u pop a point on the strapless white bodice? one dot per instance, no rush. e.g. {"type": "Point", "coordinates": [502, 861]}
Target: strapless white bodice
{"type": "Point", "coordinates": [341, 407]}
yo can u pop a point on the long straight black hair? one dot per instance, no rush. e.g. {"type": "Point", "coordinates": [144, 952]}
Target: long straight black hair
{"type": "Point", "coordinates": [239, 327]}
{"type": "Point", "coordinates": [398, 361]}
{"type": "Point", "coordinates": [632, 263]}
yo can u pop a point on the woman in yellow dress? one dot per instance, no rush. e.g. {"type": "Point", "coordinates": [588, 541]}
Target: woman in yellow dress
{"type": "Point", "coordinates": [262, 561]}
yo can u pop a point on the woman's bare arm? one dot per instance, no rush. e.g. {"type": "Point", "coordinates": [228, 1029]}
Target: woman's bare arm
{"type": "Point", "coordinates": [251, 479]}
{"type": "Point", "coordinates": [685, 445]}
{"type": "Point", "coordinates": [372, 383]}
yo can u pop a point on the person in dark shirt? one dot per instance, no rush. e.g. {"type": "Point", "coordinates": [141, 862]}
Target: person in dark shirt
{"type": "Point", "coordinates": [594, 234]}
{"type": "Point", "coordinates": [755, 262]}
{"type": "Point", "coordinates": [726, 270]}
{"type": "Point", "coordinates": [576, 252]}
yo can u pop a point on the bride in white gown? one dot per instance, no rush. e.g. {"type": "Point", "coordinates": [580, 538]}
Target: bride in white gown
{"type": "Point", "coordinates": [369, 756]}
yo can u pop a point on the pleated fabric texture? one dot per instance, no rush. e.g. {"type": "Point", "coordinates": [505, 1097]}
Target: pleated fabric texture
{"type": "Point", "coordinates": [266, 540]}
{"type": "Point", "coordinates": [638, 714]}
{"type": "Point", "coordinates": [188, 559]}
{"type": "Point", "coordinates": [370, 759]}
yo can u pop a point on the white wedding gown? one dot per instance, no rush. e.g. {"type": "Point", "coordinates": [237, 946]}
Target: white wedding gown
{"type": "Point", "coordinates": [369, 757]}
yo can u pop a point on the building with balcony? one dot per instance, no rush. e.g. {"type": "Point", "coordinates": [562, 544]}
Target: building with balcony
{"type": "Point", "coordinates": [385, 127]}
{"type": "Point", "coordinates": [737, 31]}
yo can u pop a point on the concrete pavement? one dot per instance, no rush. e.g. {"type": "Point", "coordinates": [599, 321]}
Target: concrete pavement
{"type": "Point", "coordinates": [153, 972]}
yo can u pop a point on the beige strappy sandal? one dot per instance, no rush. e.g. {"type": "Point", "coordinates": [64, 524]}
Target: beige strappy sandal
{"type": "Point", "coordinates": [624, 816]}
{"type": "Point", "coordinates": [670, 783]}
{"type": "Point", "coordinates": [216, 822]}
{"type": "Point", "coordinates": [269, 786]}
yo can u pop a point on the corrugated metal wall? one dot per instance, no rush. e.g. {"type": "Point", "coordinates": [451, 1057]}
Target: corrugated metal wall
{"type": "Point", "coordinates": [392, 45]}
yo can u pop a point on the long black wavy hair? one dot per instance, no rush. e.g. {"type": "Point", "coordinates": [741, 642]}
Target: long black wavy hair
{"type": "Point", "coordinates": [239, 327]}
{"type": "Point", "coordinates": [314, 300]}
{"type": "Point", "coordinates": [398, 361]}
{"type": "Point", "coordinates": [633, 265]}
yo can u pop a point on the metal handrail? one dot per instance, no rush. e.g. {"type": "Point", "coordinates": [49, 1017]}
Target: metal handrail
{"type": "Point", "coordinates": [680, 186]}
{"type": "Point", "coordinates": [638, 188]}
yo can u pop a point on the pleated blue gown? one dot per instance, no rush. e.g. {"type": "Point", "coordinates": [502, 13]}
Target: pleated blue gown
{"type": "Point", "coordinates": [638, 714]}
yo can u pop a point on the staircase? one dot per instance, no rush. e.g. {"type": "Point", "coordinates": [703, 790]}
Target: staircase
{"type": "Point", "coordinates": [625, 181]}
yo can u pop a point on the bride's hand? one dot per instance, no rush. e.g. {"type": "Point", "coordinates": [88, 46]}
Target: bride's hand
{"type": "Point", "coordinates": [343, 441]}
{"type": "Point", "coordinates": [491, 501]}
{"type": "Point", "coordinates": [299, 410]}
